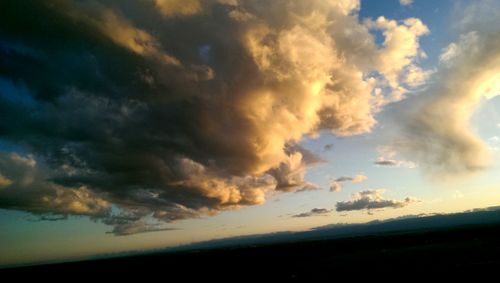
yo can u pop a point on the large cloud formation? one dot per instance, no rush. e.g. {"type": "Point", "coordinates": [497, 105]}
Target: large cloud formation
{"type": "Point", "coordinates": [437, 122]}
{"type": "Point", "coordinates": [173, 109]}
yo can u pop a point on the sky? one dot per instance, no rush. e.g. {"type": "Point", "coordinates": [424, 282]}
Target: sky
{"type": "Point", "coordinates": [135, 125]}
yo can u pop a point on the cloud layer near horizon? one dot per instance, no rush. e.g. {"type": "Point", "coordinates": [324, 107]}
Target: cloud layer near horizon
{"type": "Point", "coordinates": [313, 212]}
{"type": "Point", "coordinates": [372, 200]}
{"type": "Point", "coordinates": [172, 111]}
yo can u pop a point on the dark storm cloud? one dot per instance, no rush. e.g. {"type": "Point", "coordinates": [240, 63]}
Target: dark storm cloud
{"type": "Point", "coordinates": [173, 111]}
{"type": "Point", "coordinates": [313, 212]}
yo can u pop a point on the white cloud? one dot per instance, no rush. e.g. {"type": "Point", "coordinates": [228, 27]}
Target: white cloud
{"type": "Point", "coordinates": [438, 132]}
{"type": "Point", "coordinates": [335, 187]}
{"type": "Point", "coordinates": [396, 60]}
{"type": "Point", "coordinates": [405, 2]}
{"type": "Point", "coordinates": [494, 139]}
{"type": "Point", "coordinates": [395, 163]}
{"type": "Point", "coordinates": [466, 43]}
{"type": "Point", "coordinates": [415, 76]}
{"type": "Point", "coordinates": [388, 157]}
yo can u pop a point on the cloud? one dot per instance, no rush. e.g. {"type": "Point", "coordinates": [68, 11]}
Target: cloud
{"type": "Point", "coordinates": [399, 53]}
{"type": "Point", "coordinates": [137, 227]}
{"type": "Point", "coordinates": [328, 147]}
{"type": "Point", "coordinates": [26, 186]}
{"type": "Point", "coordinates": [372, 200]}
{"type": "Point", "coordinates": [4, 182]}
{"type": "Point", "coordinates": [145, 107]}
{"type": "Point", "coordinates": [387, 157]}
{"type": "Point", "coordinates": [169, 8]}
{"type": "Point", "coordinates": [405, 2]}
{"type": "Point", "coordinates": [415, 76]}
{"type": "Point", "coordinates": [314, 212]}
{"type": "Point", "coordinates": [307, 187]}
{"type": "Point", "coordinates": [493, 143]}
{"type": "Point", "coordinates": [389, 162]}
{"type": "Point", "coordinates": [355, 179]}
{"type": "Point", "coordinates": [437, 131]}
{"type": "Point", "coordinates": [119, 30]}
{"type": "Point", "coordinates": [395, 163]}
{"type": "Point", "coordinates": [494, 139]}
{"type": "Point", "coordinates": [335, 185]}
{"type": "Point", "coordinates": [466, 43]}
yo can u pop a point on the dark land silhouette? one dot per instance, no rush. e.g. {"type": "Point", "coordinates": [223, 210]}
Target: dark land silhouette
{"type": "Point", "coordinates": [455, 243]}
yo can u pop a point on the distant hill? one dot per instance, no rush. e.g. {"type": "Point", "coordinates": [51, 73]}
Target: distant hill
{"type": "Point", "coordinates": [416, 246]}
{"type": "Point", "coordinates": [404, 224]}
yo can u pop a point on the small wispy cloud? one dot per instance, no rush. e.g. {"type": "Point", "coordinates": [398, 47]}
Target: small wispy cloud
{"type": "Point", "coordinates": [395, 163]}
{"type": "Point", "coordinates": [389, 162]}
{"type": "Point", "coordinates": [314, 212]}
{"type": "Point", "coordinates": [137, 227]}
{"type": "Point", "coordinates": [307, 187]}
{"type": "Point", "coordinates": [354, 179]}
{"type": "Point", "coordinates": [494, 139]}
{"type": "Point", "coordinates": [335, 185]}
{"type": "Point", "coordinates": [405, 2]}
{"type": "Point", "coordinates": [493, 143]}
{"type": "Point", "coordinates": [387, 156]}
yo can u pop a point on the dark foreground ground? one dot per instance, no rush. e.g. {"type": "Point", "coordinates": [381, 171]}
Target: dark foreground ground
{"type": "Point", "coordinates": [457, 250]}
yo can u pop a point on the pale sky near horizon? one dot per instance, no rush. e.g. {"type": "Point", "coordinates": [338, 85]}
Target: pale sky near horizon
{"type": "Point", "coordinates": [121, 131]}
